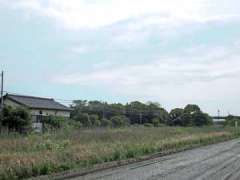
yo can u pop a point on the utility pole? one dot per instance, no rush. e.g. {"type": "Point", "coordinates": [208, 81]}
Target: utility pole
{"type": "Point", "coordinates": [218, 114]}
{"type": "Point", "coordinates": [1, 112]}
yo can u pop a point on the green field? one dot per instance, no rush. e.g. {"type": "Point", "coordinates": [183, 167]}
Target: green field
{"type": "Point", "coordinates": [34, 155]}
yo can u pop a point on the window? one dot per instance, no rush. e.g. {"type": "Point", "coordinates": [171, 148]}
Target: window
{"type": "Point", "coordinates": [39, 119]}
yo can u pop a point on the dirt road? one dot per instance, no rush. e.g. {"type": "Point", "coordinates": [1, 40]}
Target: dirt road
{"type": "Point", "coordinates": [214, 162]}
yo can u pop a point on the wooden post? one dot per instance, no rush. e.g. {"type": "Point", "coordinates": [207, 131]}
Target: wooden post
{"type": "Point", "coordinates": [2, 105]}
{"type": "Point", "coordinates": [2, 91]}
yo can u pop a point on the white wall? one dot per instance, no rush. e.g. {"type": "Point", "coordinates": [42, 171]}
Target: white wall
{"type": "Point", "coordinates": [50, 112]}
{"type": "Point", "coordinates": [61, 113]}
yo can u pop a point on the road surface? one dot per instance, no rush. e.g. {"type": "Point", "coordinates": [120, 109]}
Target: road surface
{"type": "Point", "coordinates": [214, 162]}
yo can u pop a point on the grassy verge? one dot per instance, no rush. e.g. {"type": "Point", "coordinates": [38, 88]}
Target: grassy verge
{"type": "Point", "coordinates": [34, 155]}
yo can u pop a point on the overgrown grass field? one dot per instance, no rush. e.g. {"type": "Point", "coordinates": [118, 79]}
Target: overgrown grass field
{"type": "Point", "coordinates": [34, 155]}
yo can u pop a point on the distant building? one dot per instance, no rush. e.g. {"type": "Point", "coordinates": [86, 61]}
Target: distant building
{"type": "Point", "coordinates": [39, 107]}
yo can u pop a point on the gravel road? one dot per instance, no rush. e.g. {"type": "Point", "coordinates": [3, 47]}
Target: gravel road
{"type": "Point", "coordinates": [215, 162]}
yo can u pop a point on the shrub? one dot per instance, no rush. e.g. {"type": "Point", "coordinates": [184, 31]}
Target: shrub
{"type": "Point", "coordinates": [231, 121]}
{"type": "Point", "coordinates": [148, 125]}
{"type": "Point", "coordinates": [74, 124]}
{"type": "Point", "coordinates": [106, 123]}
{"type": "Point", "coordinates": [120, 121]}
{"type": "Point", "coordinates": [54, 121]}
{"type": "Point", "coordinates": [156, 122]}
{"type": "Point", "coordinates": [84, 119]}
{"type": "Point", "coordinates": [18, 119]}
{"type": "Point", "coordinates": [94, 120]}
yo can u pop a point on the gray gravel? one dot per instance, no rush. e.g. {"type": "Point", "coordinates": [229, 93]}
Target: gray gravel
{"type": "Point", "coordinates": [214, 162]}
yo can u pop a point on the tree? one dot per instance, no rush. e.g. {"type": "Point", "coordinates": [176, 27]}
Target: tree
{"type": "Point", "coordinates": [78, 106]}
{"type": "Point", "coordinates": [189, 114]}
{"type": "Point", "coordinates": [115, 110]}
{"type": "Point", "coordinates": [18, 119]}
{"type": "Point", "coordinates": [176, 117]}
{"type": "Point", "coordinates": [188, 119]}
{"type": "Point", "coordinates": [7, 114]}
{"type": "Point", "coordinates": [202, 119]}
{"type": "Point", "coordinates": [136, 112]}
{"type": "Point", "coordinates": [163, 116]}
{"type": "Point", "coordinates": [22, 119]}
{"type": "Point", "coordinates": [191, 108]}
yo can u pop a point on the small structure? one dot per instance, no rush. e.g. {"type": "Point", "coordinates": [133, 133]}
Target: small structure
{"type": "Point", "coordinates": [39, 108]}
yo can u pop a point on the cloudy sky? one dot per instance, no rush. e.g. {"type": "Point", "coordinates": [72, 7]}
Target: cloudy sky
{"type": "Point", "coordinates": [173, 52]}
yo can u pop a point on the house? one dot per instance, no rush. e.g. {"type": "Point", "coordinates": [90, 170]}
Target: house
{"type": "Point", "coordinates": [39, 107]}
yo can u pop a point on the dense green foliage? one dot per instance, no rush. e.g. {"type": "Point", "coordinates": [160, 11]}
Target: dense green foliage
{"type": "Point", "coordinates": [16, 119]}
{"type": "Point", "coordinates": [232, 121]}
{"type": "Point", "coordinates": [99, 114]}
{"type": "Point", "coordinates": [191, 115]}
{"type": "Point", "coordinates": [54, 121]}
{"type": "Point", "coordinates": [96, 113]}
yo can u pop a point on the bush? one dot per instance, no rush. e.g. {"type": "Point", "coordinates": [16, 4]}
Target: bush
{"type": "Point", "coordinates": [156, 122]}
{"type": "Point", "coordinates": [54, 121]}
{"type": "Point", "coordinates": [231, 121]}
{"type": "Point", "coordinates": [120, 121]}
{"type": "Point", "coordinates": [148, 125]}
{"type": "Point", "coordinates": [75, 124]}
{"type": "Point", "coordinates": [84, 119]}
{"type": "Point", "coordinates": [106, 123]}
{"type": "Point", "coordinates": [18, 119]}
{"type": "Point", "coordinates": [95, 120]}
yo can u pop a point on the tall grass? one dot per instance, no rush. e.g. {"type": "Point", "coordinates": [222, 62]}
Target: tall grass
{"type": "Point", "coordinates": [34, 155]}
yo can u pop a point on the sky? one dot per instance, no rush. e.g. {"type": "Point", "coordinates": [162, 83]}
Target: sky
{"type": "Point", "coordinates": [172, 52]}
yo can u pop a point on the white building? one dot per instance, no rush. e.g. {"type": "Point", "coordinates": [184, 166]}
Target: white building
{"type": "Point", "coordinates": [39, 107]}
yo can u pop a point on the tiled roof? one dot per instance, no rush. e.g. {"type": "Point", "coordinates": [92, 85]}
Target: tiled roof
{"type": "Point", "coordinates": [37, 102]}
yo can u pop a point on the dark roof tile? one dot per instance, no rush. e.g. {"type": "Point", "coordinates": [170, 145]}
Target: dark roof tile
{"type": "Point", "coordinates": [37, 102]}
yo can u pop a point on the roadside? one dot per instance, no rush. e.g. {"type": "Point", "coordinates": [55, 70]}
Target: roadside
{"type": "Point", "coordinates": [212, 162]}
{"type": "Point", "coordinates": [174, 144]}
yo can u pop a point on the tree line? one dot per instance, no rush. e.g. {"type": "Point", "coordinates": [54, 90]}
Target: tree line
{"type": "Point", "coordinates": [101, 114]}
{"type": "Point", "coordinates": [96, 113]}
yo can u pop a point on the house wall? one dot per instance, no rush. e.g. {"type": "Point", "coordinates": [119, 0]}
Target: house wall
{"type": "Point", "coordinates": [37, 125]}
{"type": "Point", "coordinates": [50, 112]}
{"type": "Point", "coordinates": [11, 103]}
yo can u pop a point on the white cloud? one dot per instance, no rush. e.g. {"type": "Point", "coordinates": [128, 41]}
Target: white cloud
{"type": "Point", "coordinates": [78, 14]}
{"type": "Point", "coordinates": [197, 73]}
{"type": "Point", "coordinates": [195, 78]}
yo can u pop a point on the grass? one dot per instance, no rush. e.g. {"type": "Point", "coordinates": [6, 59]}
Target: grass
{"type": "Point", "coordinates": [34, 155]}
